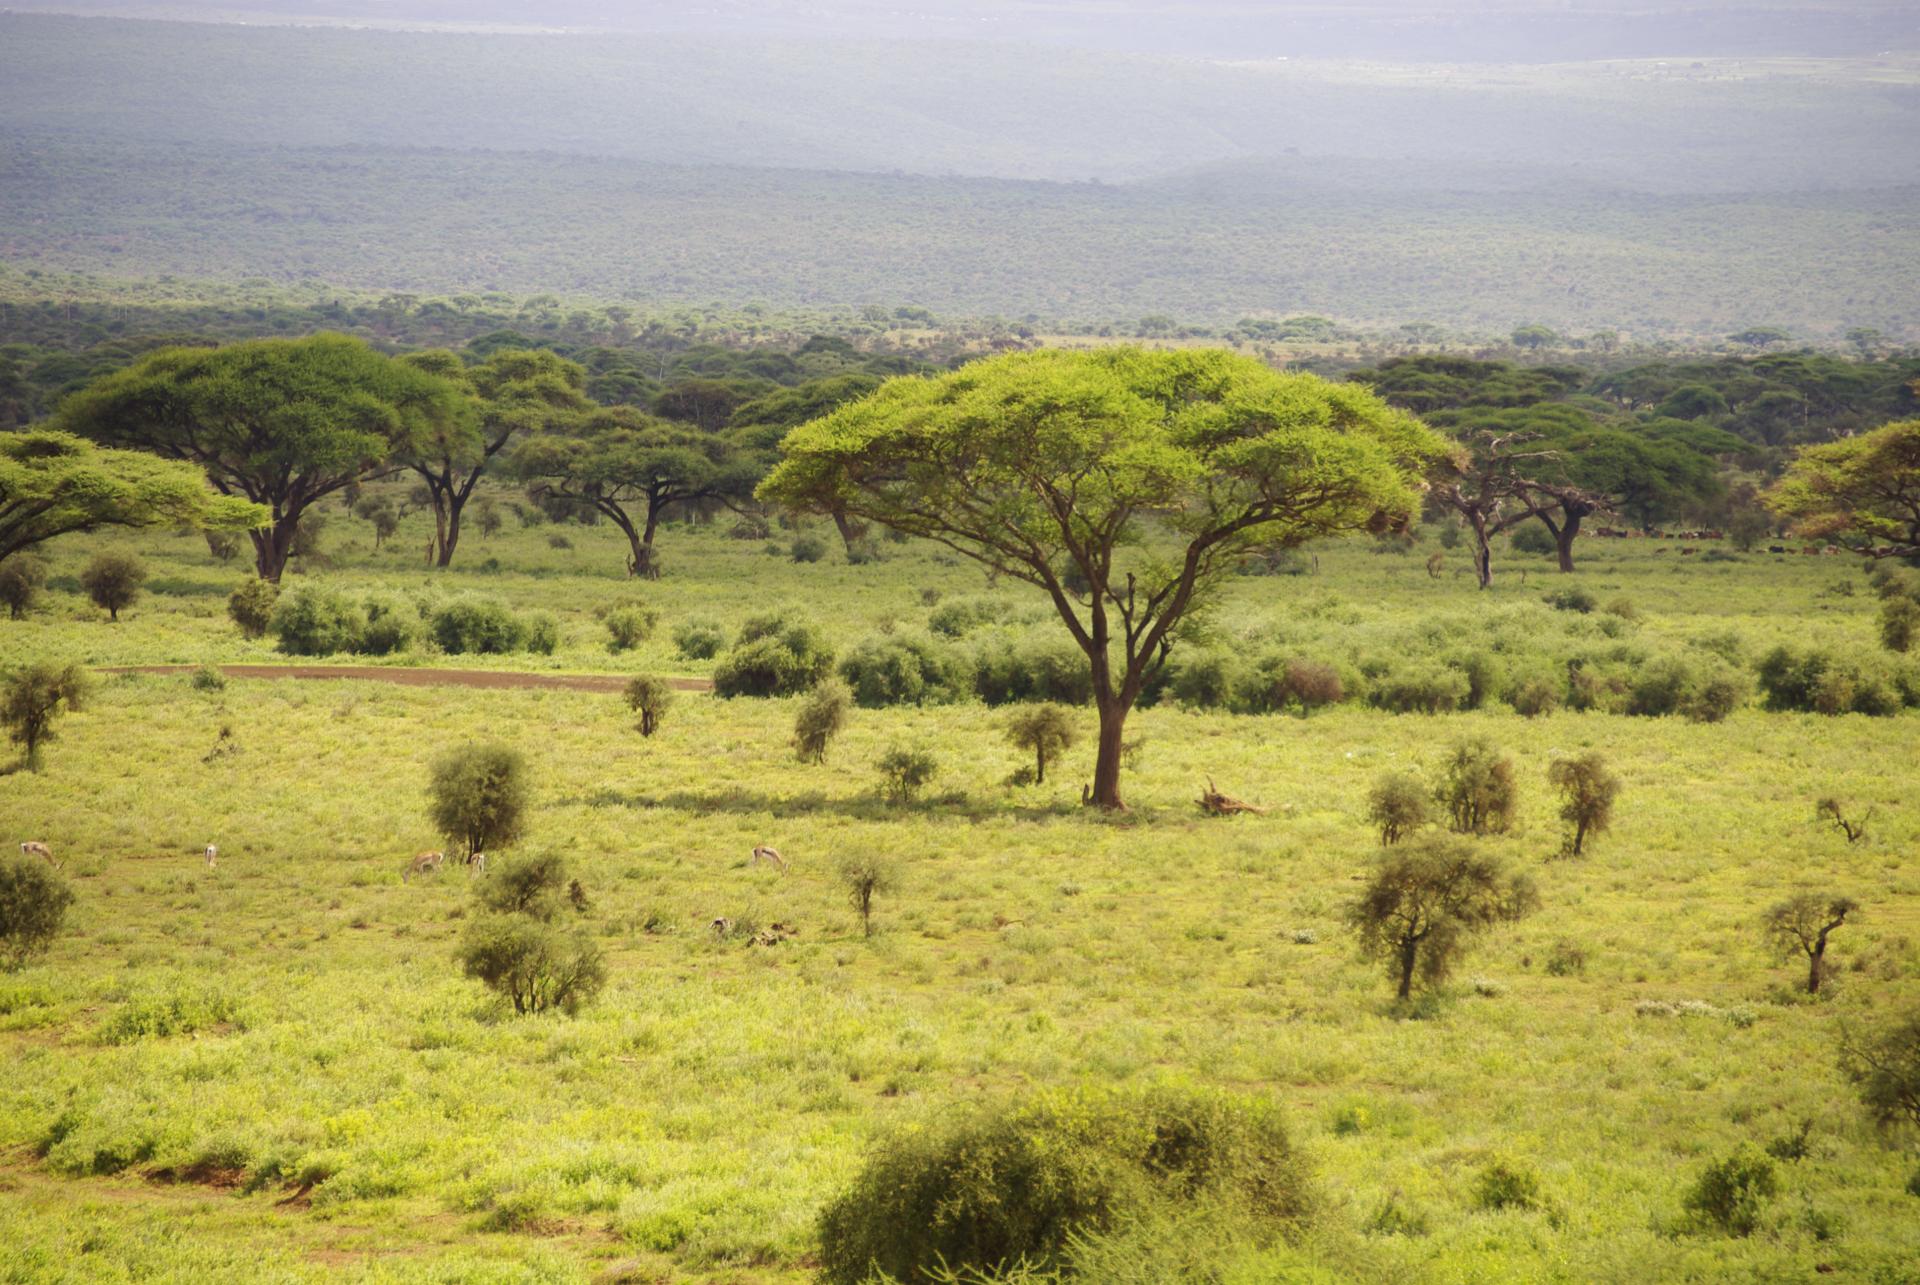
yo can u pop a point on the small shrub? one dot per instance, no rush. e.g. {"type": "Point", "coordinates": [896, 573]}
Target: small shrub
{"type": "Point", "coordinates": [1505, 1185]}
{"type": "Point", "coordinates": [526, 885]}
{"type": "Point", "coordinates": [472, 624]}
{"type": "Point", "coordinates": [958, 617]}
{"type": "Point", "coordinates": [821, 717]}
{"type": "Point", "coordinates": [251, 606]}
{"type": "Point", "coordinates": [628, 627]}
{"type": "Point", "coordinates": [22, 576]}
{"type": "Point", "coordinates": [113, 580]}
{"type": "Point", "coordinates": [1534, 695]}
{"type": "Point", "coordinates": [650, 698]}
{"type": "Point", "coordinates": [1045, 731]}
{"type": "Point", "coordinates": [905, 671]}
{"type": "Point", "coordinates": [863, 878]}
{"type": "Point", "coordinates": [33, 905]}
{"type": "Point", "coordinates": [773, 657]}
{"type": "Point", "coordinates": [1392, 1218]}
{"type": "Point", "coordinates": [392, 625]}
{"type": "Point", "coordinates": [317, 620]}
{"type": "Point", "coordinates": [1566, 959]}
{"type": "Point", "coordinates": [32, 698]}
{"type": "Point", "coordinates": [905, 769]}
{"type": "Point", "coordinates": [1422, 688]}
{"type": "Point", "coordinates": [1899, 624]}
{"type": "Point", "coordinates": [1885, 1068]}
{"type": "Point", "coordinates": [1012, 1188]}
{"type": "Point", "coordinates": [533, 965]}
{"type": "Point", "coordinates": [1622, 608]}
{"type": "Point", "coordinates": [1587, 793]}
{"type": "Point", "coordinates": [1834, 811]}
{"type": "Point", "coordinates": [1797, 1145]}
{"type": "Point", "coordinates": [1732, 1195]}
{"type": "Point", "coordinates": [699, 639]}
{"type": "Point", "coordinates": [558, 541]}
{"type": "Point", "coordinates": [1572, 598]}
{"type": "Point", "coordinates": [543, 632]}
{"type": "Point", "coordinates": [1825, 683]}
{"type": "Point", "coordinates": [1307, 685]}
{"type": "Point", "coordinates": [1534, 540]}
{"type": "Point", "coordinates": [1477, 789]}
{"type": "Point", "coordinates": [208, 678]}
{"type": "Point", "coordinates": [807, 548]}
{"type": "Point", "coordinates": [1207, 679]}
{"type": "Point", "coordinates": [1038, 667]}
{"type": "Point", "coordinates": [478, 797]}
{"type": "Point", "coordinates": [1398, 805]}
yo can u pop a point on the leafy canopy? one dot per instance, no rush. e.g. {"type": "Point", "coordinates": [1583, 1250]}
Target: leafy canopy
{"type": "Point", "coordinates": [1864, 490]}
{"type": "Point", "coordinates": [54, 483]}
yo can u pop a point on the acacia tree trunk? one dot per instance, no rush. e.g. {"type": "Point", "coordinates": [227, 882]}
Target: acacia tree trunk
{"type": "Point", "coordinates": [1106, 765]}
{"type": "Point", "coordinates": [851, 532]}
{"type": "Point", "coordinates": [1482, 550]}
{"type": "Point", "coordinates": [449, 525]}
{"type": "Point", "coordinates": [1563, 539]}
{"type": "Point", "coordinates": [1409, 953]}
{"type": "Point", "coordinates": [1815, 958]}
{"type": "Point", "coordinates": [1039, 765]}
{"type": "Point", "coordinates": [273, 544]}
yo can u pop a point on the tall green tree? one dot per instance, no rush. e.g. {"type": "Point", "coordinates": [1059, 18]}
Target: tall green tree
{"type": "Point", "coordinates": [54, 483]}
{"type": "Point", "coordinates": [633, 469]}
{"type": "Point", "coordinates": [281, 422]}
{"type": "Point", "coordinates": [1122, 483]}
{"type": "Point", "coordinates": [1863, 492]}
{"type": "Point", "coordinates": [513, 393]}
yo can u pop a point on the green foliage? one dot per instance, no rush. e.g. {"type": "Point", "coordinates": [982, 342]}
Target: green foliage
{"type": "Point", "coordinates": [1860, 491]}
{"type": "Point", "coordinates": [629, 626]}
{"type": "Point", "coordinates": [1398, 804]}
{"type": "Point", "coordinates": [526, 884]}
{"type": "Point", "coordinates": [905, 769]}
{"type": "Point", "coordinates": [1899, 623]}
{"type": "Point", "coordinates": [1424, 687]}
{"type": "Point", "coordinates": [479, 796]}
{"type": "Point", "coordinates": [1827, 682]}
{"type": "Point", "coordinates": [1427, 900]}
{"type": "Point", "coordinates": [314, 620]}
{"type": "Point", "coordinates": [33, 697]}
{"type": "Point", "coordinates": [650, 697]}
{"type": "Point", "coordinates": [533, 965]}
{"type": "Point", "coordinates": [251, 606]}
{"type": "Point", "coordinates": [1588, 789]}
{"type": "Point", "coordinates": [862, 878]}
{"type": "Point", "coordinates": [163, 1012]}
{"type": "Point", "coordinates": [1505, 1184]}
{"type": "Point", "coordinates": [1045, 731]}
{"type": "Point", "coordinates": [1013, 1186]}
{"type": "Point", "coordinates": [55, 483]}
{"type": "Point", "coordinates": [1037, 667]}
{"type": "Point", "coordinates": [820, 718]}
{"type": "Point", "coordinates": [958, 617]}
{"type": "Point", "coordinates": [1572, 598]}
{"type": "Point", "coordinates": [773, 657]}
{"type": "Point", "coordinates": [1534, 540]}
{"type": "Point", "coordinates": [22, 576]}
{"type": "Point", "coordinates": [392, 625]}
{"type": "Point", "coordinates": [901, 669]}
{"type": "Point", "coordinates": [699, 639]}
{"type": "Point", "coordinates": [1884, 1066]}
{"type": "Point", "coordinates": [1732, 1194]}
{"type": "Point", "coordinates": [33, 905]}
{"type": "Point", "coordinates": [112, 581]}
{"type": "Point", "coordinates": [808, 548]}
{"type": "Point", "coordinates": [543, 632]}
{"type": "Point", "coordinates": [1477, 789]}
{"type": "Point", "coordinates": [471, 623]}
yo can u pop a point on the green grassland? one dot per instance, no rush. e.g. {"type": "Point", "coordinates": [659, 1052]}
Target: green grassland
{"type": "Point", "coordinates": [198, 1041]}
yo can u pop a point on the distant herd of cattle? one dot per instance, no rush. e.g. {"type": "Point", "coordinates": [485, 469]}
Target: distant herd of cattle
{"type": "Point", "coordinates": [1618, 533]}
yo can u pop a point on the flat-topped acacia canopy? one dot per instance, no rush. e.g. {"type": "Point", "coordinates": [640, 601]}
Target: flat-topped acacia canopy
{"type": "Point", "coordinates": [1120, 481]}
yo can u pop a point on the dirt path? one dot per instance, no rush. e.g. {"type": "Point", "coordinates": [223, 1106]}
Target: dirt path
{"type": "Point", "coordinates": [423, 677]}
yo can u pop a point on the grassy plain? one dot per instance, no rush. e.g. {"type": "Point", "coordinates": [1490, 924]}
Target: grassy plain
{"type": "Point", "coordinates": [200, 1044]}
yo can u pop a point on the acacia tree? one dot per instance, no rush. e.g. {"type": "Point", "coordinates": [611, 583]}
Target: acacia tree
{"type": "Point", "coordinates": [633, 469]}
{"type": "Point", "coordinates": [54, 483]}
{"type": "Point", "coordinates": [1800, 925]}
{"type": "Point", "coordinates": [1122, 483]}
{"type": "Point", "coordinates": [281, 422]}
{"type": "Point", "coordinates": [515, 392]}
{"type": "Point", "coordinates": [1491, 488]}
{"type": "Point", "coordinates": [1863, 492]}
{"type": "Point", "coordinates": [1427, 899]}
{"type": "Point", "coordinates": [32, 698]}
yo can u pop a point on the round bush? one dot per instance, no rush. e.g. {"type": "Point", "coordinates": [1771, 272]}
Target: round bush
{"type": "Point", "coordinates": [543, 632]}
{"type": "Point", "coordinates": [21, 578]}
{"type": "Point", "coordinates": [808, 548]}
{"type": "Point", "coordinates": [699, 639]}
{"type": "Point", "coordinates": [33, 905]}
{"type": "Point", "coordinates": [113, 581]}
{"type": "Point", "coordinates": [774, 657]}
{"type": "Point", "coordinates": [478, 796]}
{"type": "Point", "coordinates": [251, 606]}
{"type": "Point", "coordinates": [480, 625]}
{"type": "Point", "coordinates": [628, 627]}
{"type": "Point", "coordinates": [905, 671]}
{"type": "Point", "coordinates": [392, 625]}
{"type": "Point", "coordinates": [1018, 1182]}
{"type": "Point", "coordinates": [1207, 680]}
{"type": "Point", "coordinates": [1308, 685]}
{"type": "Point", "coordinates": [958, 617]}
{"type": "Point", "coordinates": [531, 964]}
{"type": "Point", "coordinates": [1038, 667]}
{"type": "Point", "coordinates": [317, 620]}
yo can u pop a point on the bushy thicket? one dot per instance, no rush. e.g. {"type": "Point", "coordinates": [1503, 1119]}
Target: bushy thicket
{"type": "Point", "coordinates": [33, 905]}
{"type": "Point", "coordinates": [1019, 1183]}
{"type": "Point", "coordinates": [487, 626]}
{"type": "Point", "coordinates": [1040, 666]}
{"type": "Point", "coordinates": [902, 669]}
{"type": "Point", "coordinates": [699, 639]}
{"type": "Point", "coordinates": [1825, 681]}
{"type": "Point", "coordinates": [774, 657]}
{"type": "Point", "coordinates": [317, 620]}
{"type": "Point", "coordinates": [629, 626]}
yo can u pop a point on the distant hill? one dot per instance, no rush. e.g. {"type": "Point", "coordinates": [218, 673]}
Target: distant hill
{"type": "Point", "coordinates": [1209, 247]}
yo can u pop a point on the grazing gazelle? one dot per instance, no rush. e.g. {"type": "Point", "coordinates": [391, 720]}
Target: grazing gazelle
{"type": "Point", "coordinates": [425, 863]}
{"type": "Point", "coordinates": [31, 848]}
{"type": "Point", "coordinates": [213, 854]}
{"type": "Point", "coordinates": [771, 856]}
{"type": "Point", "coordinates": [477, 861]}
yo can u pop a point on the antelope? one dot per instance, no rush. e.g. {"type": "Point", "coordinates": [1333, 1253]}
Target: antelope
{"type": "Point", "coordinates": [771, 856]}
{"type": "Point", "coordinates": [212, 853]}
{"type": "Point", "coordinates": [721, 926]}
{"type": "Point", "coordinates": [425, 863]}
{"type": "Point", "coordinates": [32, 848]}
{"type": "Point", "coordinates": [477, 862]}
